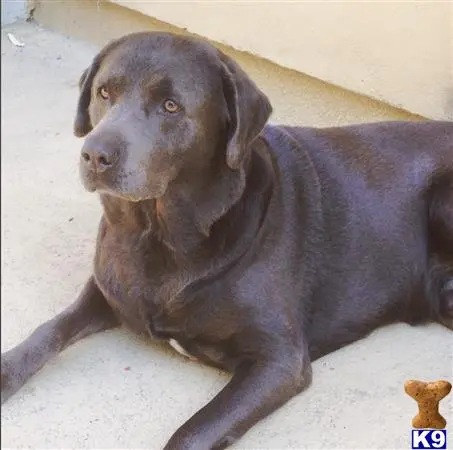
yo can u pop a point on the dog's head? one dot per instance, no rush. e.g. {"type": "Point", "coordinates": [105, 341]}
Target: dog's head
{"type": "Point", "coordinates": [154, 106]}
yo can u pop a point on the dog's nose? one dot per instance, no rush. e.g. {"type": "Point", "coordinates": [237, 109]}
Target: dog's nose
{"type": "Point", "coordinates": [98, 159]}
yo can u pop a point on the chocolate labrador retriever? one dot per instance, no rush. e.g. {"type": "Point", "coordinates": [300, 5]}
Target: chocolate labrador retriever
{"type": "Point", "coordinates": [253, 248]}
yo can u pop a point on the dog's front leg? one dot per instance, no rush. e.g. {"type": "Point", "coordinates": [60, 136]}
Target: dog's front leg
{"type": "Point", "coordinates": [89, 314]}
{"type": "Point", "coordinates": [256, 390]}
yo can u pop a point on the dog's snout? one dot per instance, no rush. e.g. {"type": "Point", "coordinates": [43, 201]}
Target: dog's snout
{"type": "Point", "coordinates": [99, 156]}
{"type": "Point", "coordinates": [98, 160]}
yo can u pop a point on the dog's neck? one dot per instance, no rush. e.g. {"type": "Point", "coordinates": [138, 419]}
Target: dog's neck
{"type": "Point", "coordinates": [195, 210]}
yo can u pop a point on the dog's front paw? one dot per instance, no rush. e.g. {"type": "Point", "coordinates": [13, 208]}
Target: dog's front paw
{"type": "Point", "coordinates": [10, 381]}
{"type": "Point", "coordinates": [182, 440]}
{"type": "Point", "coordinates": [185, 440]}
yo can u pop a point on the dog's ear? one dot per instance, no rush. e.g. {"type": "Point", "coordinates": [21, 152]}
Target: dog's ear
{"type": "Point", "coordinates": [248, 108]}
{"type": "Point", "coordinates": [82, 122]}
{"type": "Point", "coordinates": [83, 78]}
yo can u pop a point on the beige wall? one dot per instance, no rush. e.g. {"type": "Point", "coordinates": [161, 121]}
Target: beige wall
{"type": "Point", "coordinates": [400, 52]}
{"type": "Point", "coordinates": [297, 98]}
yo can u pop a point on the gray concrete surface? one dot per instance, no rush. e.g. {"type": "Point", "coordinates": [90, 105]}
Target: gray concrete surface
{"type": "Point", "coordinates": [112, 390]}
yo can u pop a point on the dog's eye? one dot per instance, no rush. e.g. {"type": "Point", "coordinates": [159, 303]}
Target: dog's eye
{"type": "Point", "coordinates": [171, 106]}
{"type": "Point", "coordinates": [104, 93]}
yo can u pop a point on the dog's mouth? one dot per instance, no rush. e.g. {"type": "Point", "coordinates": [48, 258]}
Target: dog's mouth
{"type": "Point", "coordinates": [123, 196]}
{"type": "Point", "coordinates": [89, 180]}
{"type": "Point", "coordinates": [94, 184]}
{"type": "Point", "coordinates": [131, 182]}
{"type": "Point", "coordinates": [98, 188]}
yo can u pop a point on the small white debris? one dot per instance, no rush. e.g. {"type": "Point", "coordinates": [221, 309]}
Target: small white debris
{"type": "Point", "coordinates": [14, 40]}
{"type": "Point", "coordinates": [179, 348]}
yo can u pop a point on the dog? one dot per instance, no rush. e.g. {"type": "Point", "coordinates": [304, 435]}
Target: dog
{"type": "Point", "coordinates": [251, 247]}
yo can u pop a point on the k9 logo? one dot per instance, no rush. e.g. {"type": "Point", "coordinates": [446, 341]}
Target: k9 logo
{"type": "Point", "coordinates": [422, 439]}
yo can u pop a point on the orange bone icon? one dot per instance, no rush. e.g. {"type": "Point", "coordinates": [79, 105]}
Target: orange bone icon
{"type": "Point", "coordinates": [428, 396]}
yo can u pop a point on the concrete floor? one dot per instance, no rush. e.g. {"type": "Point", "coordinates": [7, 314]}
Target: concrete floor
{"type": "Point", "coordinates": [112, 390]}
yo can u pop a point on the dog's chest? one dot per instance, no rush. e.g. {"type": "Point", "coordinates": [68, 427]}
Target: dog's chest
{"type": "Point", "coordinates": [155, 311]}
{"type": "Point", "coordinates": [152, 302]}
{"type": "Point", "coordinates": [155, 298]}
{"type": "Point", "coordinates": [141, 287]}
{"type": "Point", "coordinates": [142, 303]}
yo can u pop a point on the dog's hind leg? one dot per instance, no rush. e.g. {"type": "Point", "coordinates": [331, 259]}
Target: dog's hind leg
{"type": "Point", "coordinates": [446, 305]}
{"type": "Point", "coordinates": [440, 227]}
{"type": "Point", "coordinates": [89, 314]}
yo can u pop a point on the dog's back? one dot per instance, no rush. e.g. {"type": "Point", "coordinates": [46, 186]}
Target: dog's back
{"type": "Point", "coordinates": [388, 226]}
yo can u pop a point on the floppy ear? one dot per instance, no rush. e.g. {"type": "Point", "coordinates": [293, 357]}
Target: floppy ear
{"type": "Point", "coordinates": [82, 123]}
{"type": "Point", "coordinates": [248, 108]}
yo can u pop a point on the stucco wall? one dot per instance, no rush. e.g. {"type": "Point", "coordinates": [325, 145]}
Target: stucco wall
{"type": "Point", "coordinates": [399, 52]}
{"type": "Point", "coordinates": [296, 98]}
